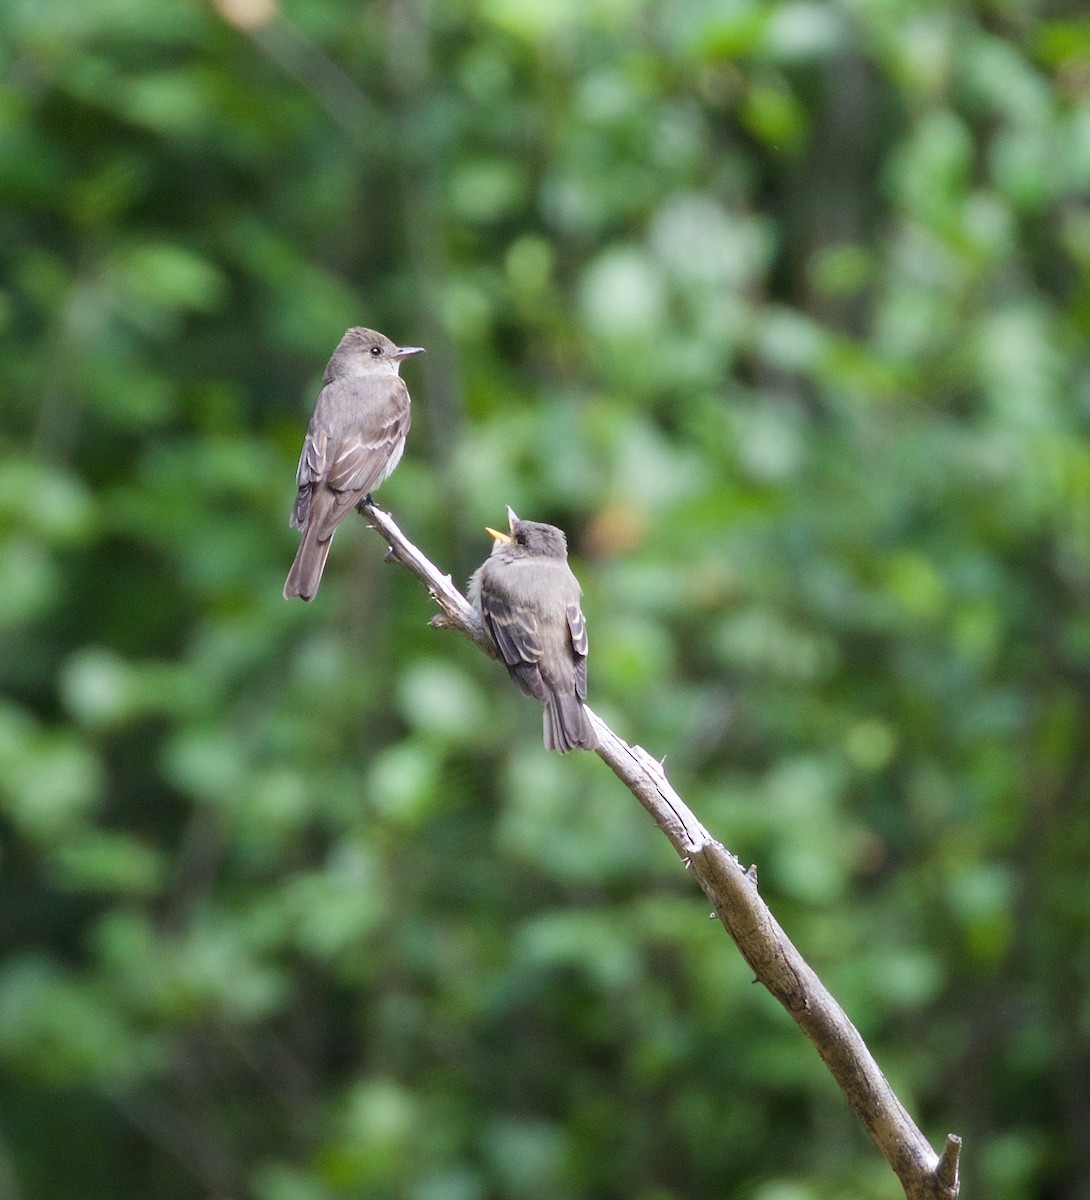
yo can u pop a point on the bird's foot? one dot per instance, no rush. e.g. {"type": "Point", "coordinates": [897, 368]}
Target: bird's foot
{"type": "Point", "coordinates": [366, 502]}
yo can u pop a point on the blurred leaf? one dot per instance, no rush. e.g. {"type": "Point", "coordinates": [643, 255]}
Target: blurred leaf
{"type": "Point", "coordinates": [49, 782]}
{"type": "Point", "coordinates": [109, 863]}
{"type": "Point", "coordinates": [69, 1034]}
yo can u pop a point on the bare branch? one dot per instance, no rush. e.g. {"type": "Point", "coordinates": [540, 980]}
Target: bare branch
{"type": "Point", "coordinates": [777, 964]}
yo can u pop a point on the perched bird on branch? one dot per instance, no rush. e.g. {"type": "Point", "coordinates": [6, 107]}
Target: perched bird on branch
{"type": "Point", "coordinates": [354, 441]}
{"type": "Point", "coordinates": [529, 599]}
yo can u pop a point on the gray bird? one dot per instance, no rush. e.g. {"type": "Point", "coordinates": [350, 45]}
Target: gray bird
{"type": "Point", "coordinates": [354, 441]}
{"type": "Point", "coordinates": [528, 599]}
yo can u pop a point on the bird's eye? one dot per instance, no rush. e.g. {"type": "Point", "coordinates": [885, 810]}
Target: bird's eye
{"type": "Point", "coordinates": [520, 538]}
{"type": "Point", "coordinates": [376, 350]}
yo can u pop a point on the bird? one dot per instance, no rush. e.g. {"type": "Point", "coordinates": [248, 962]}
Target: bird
{"type": "Point", "coordinates": [354, 441]}
{"type": "Point", "coordinates": [529, 602]}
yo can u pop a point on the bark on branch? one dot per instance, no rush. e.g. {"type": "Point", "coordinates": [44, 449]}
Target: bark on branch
{"type": "Point", "coordinates": [923, 1174]}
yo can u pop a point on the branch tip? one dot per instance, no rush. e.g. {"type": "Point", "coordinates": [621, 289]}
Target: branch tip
{"type": "Point", "coordinates": [946, 1173]}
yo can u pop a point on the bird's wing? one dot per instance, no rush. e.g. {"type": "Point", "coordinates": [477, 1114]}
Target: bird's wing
{"type": "Point", "coordinates": [577, 627]}
{"type": "Point", "coordinates": [515, 632]}
{"type": "Point", "coordinates": [312, 465]}
{"type": "Point", "coordinates": [373, 422]}
{"type": "Point", "coordinates": [363, 460]}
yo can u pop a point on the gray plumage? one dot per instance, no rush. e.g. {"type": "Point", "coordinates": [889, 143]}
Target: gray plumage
{"type": "Point", "coordinates": [354, 441]}
{"type": "Point", "coordinates": [529, 601]}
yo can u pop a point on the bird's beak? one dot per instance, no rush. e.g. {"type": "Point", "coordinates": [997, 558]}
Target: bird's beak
{"type": "Point", "coordinates": [512, 518]}
{"type": "Point", "coordinates": [407, 352]}
{"type": "Point", "coordinates": [497, 536]}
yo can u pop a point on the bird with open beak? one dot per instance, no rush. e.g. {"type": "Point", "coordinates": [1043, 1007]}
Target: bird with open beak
{"type": "Point", "coordinates": [529, 601]}
{"type": "Point", "coordinates": [354, 441]}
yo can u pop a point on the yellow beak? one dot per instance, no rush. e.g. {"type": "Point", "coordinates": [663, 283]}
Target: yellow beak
{"type": "Point", "coordinates": [497, 536]}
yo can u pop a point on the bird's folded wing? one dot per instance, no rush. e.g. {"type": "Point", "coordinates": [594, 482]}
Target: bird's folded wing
{"type": "Point", "coordinates": [361, 460]}
{"type": "Point", "coordinates": [515, 632]}
{"type": "Point", "coordinates": [577, 627]}
{"type": "Point", "coordinates": [312, 462]}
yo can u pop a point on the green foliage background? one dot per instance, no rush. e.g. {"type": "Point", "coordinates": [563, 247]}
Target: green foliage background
{"type": "Point", "coordinates": [781, 309]}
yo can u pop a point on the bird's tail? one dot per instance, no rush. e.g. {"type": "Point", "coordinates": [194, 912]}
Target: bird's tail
{"type": "Point", "coordinates": [565, 724]}
{"type": "Point", "coordinates": [306, 571]}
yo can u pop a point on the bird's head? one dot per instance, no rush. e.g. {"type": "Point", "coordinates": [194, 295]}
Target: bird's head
{"type": "Point", "coordinates": [530, 539]}
{"type": "Point", "coordinates": [369, 350]}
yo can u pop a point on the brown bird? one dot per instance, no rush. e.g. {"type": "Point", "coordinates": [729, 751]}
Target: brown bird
{"type": "Point", "coordinates": [529, 601]}
{"type": "Point", "coordinates": [354, 441]}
